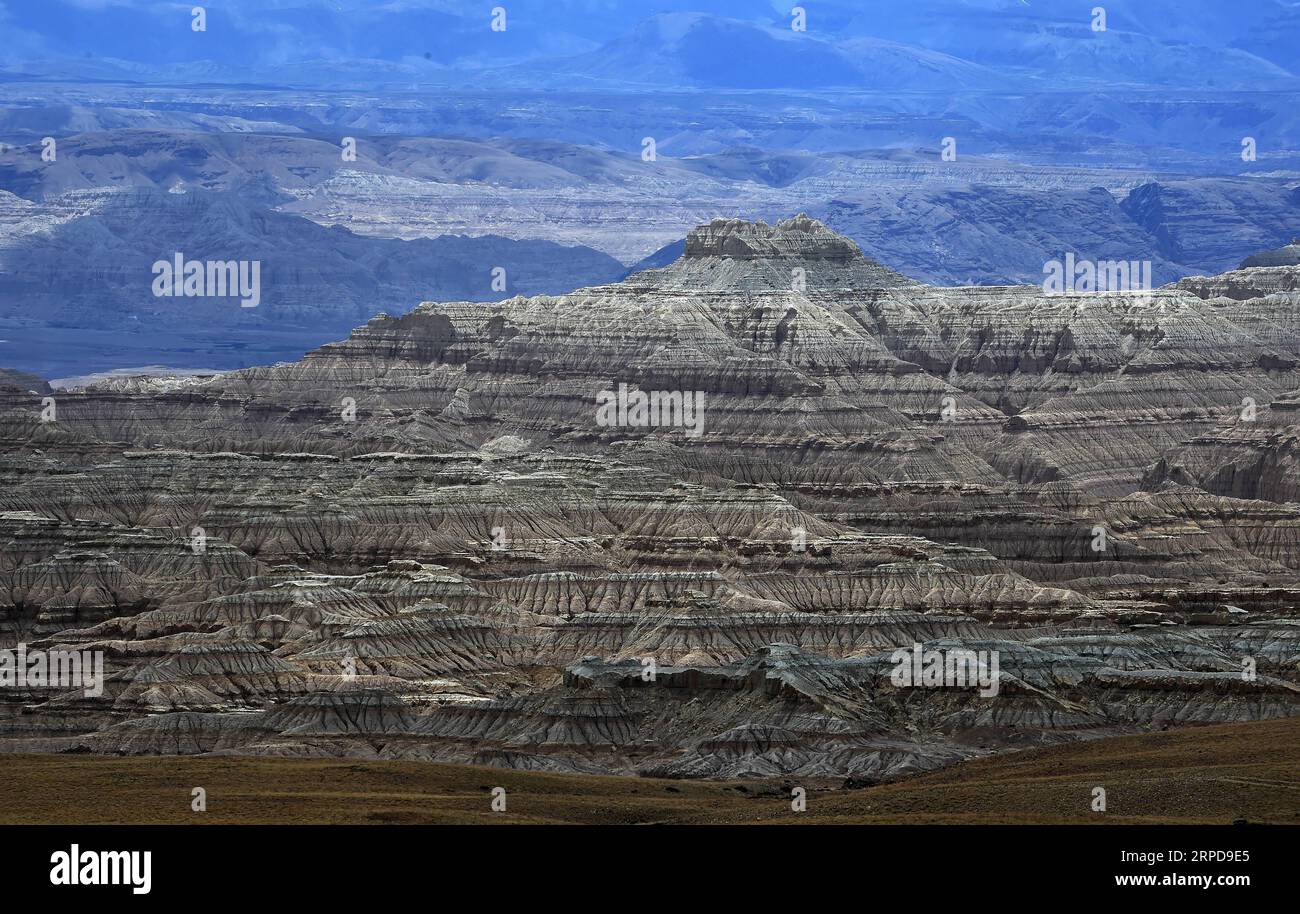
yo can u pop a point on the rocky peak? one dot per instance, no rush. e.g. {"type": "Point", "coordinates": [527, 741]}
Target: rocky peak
{"type": "Point", "coordinates": [800, 238]}
{"type": "Point", "coordinates": [796, 255]}
{"type": "Point", "coordinates": [1285, 256]}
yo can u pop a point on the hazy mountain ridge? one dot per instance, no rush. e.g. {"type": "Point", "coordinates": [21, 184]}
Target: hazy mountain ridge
{"type": "Point", "coordinates": [429, 186]}
{"type": "Point", "coordinates": [84, 261]}
{"type": "Point", "coordinates": [77, 245]}
{"type": "Point", "coordinates": [989, 44]}
{"type": "Point", "coordinates": [1186, 131]}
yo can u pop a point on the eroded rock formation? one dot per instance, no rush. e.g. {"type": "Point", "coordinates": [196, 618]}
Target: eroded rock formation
{"type": "Point", "coordinates": [427, 540]}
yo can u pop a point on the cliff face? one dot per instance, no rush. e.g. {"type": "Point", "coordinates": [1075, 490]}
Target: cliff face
{"type": "Point", "coordinates": [455, 535]}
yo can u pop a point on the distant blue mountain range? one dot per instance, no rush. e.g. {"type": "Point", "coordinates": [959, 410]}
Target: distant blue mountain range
{"type": "Point", "coordinates": [886, 44]}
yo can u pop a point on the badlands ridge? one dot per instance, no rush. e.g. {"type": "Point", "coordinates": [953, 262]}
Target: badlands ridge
{"type": "Point", "coordinates": [420, 543]}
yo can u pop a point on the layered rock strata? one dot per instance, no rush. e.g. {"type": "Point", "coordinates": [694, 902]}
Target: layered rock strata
{"type": "Point", "coordinates": [430, 541]}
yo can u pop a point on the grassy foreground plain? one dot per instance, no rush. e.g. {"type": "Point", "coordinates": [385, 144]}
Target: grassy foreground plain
{"type": "Point", "coordinates": [1213, 774]}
